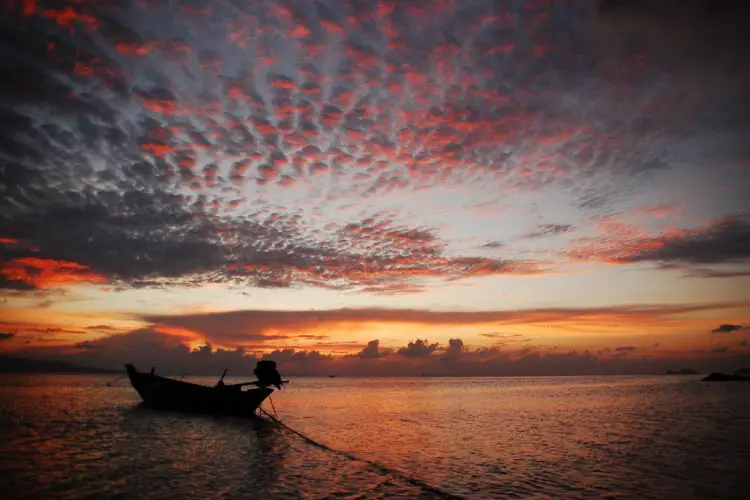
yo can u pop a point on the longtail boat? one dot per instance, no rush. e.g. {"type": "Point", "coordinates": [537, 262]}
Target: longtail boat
{"type": "Point", "coordinates": [228, 399]}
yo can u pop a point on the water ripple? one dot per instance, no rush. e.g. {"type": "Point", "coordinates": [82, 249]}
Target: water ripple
{"type": "Point", "coordinates": [70, 437]}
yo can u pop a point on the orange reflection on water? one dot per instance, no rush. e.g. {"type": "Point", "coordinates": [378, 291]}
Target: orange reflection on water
{"type": "Point", "coordinates": [560, 437]}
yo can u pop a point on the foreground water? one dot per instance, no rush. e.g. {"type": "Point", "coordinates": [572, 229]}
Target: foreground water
{"type": "Point", "coordinates": [70, 436]}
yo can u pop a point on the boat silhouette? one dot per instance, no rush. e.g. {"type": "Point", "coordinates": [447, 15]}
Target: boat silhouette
{"type": "Point", "coordinates": [228, 399]}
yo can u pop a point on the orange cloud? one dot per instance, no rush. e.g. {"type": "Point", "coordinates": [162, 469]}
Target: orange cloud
{"type": "Point", "coordinates": [157, 149]}
{"type": "Point", "coordinates": [129, 49]}
{"type": "Point", "coordinates": [261, 326]}
{"type": "Point", "coordinates": [161, 106]}
{"type": "Point", "coordinates": [69, 15]}
{"type": "Point", "coordinates": [48, 273]}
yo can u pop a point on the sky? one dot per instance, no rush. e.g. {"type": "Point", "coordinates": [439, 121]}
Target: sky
{"type": "Point", "coordinates": [386, 187]}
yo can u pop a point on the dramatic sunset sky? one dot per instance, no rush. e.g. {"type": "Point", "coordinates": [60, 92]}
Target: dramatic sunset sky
{"type": "Point", "coordinates": [376, 187]}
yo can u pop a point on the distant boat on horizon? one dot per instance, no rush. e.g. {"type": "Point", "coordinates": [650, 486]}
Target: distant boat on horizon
{"type": "Point", "coordinates": [332, 376]}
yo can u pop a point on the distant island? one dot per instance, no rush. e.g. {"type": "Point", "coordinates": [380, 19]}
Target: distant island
{"type": "Point", "coordinates": [684, 371]}
{"type": "Point", "coordinates": [12, 364]}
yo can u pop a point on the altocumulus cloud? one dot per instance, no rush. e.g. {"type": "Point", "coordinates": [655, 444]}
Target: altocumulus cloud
{"type": "Point", "coordinates": [118, 170]}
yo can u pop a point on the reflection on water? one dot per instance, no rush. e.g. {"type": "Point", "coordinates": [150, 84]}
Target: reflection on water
{"type": "Point", "coordinates": [580, 437]}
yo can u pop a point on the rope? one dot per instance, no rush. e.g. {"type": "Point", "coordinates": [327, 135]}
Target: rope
{"type": "Point", "coordinates": [382, 468]}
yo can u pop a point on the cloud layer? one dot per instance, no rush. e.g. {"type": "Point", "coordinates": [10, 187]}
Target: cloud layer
{"type": "Point", "coordinates": [255, 327]}
{"type": "Point", "coordinates": [150, 347]}
{"type": "Point", "coordinates": [146, 143]}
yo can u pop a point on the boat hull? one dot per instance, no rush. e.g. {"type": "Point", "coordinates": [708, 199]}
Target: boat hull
{"type": "Point", "coordinates": [177, 395]}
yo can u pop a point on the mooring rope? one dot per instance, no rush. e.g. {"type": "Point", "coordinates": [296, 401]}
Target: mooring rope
{"type": "Point", "coordinates": [382, 468]}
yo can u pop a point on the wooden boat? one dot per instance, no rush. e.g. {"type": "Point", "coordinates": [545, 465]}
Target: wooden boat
{"type": "Point", "coordinates": [228, 399]}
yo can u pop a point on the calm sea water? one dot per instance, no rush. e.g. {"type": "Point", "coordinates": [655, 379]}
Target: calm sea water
{"type": "Point", "coordinates": [70, 436]}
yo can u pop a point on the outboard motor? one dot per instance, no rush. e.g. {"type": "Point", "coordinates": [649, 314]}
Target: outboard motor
{"type": "Point", "coordinates": [267, 375]}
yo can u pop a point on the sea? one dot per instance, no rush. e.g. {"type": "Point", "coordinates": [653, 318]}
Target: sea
{"type": "Point", "coordinates": [660, 437]}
